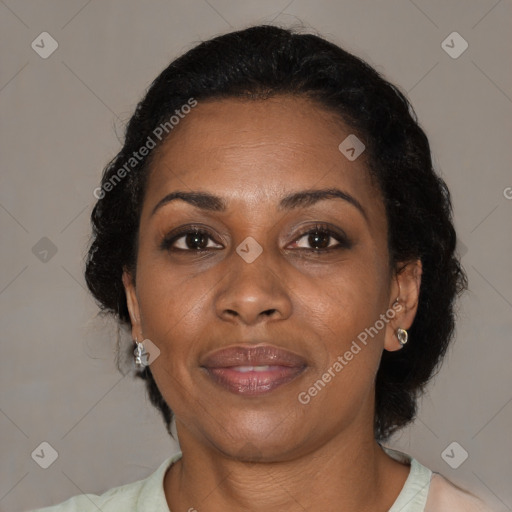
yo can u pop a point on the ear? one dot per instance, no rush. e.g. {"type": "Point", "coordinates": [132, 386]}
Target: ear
{"type": "Point", "coordinates": [133, 305]}
{"type": "Point", "coordinates": [407, 290]}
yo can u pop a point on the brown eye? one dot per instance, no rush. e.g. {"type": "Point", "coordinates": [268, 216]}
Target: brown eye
{"type": "Point", "coordinates": [320, 239]}
{"type": "Point", "coordinates": [193, 240]}
{"type": "Point", "coordinates": [317, 240]}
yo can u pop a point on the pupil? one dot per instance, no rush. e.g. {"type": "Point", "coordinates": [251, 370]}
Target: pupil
{"type": "Point", "coordinates": [193, 239]}
{"type": "Point", "coordinates": [316, 240]}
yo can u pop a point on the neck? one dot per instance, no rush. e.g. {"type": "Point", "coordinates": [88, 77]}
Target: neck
{"type": "Point", "coordinates": [347, 473]}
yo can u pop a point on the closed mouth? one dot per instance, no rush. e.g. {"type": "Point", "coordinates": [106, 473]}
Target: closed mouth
{"type": "Point", "coordinates": [253, 370]}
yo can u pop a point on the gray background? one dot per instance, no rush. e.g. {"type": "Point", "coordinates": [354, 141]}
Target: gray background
{"type": "Point", "coordinates": [60, 117]}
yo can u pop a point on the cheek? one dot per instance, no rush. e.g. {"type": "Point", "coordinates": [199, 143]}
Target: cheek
{"type": "Point", "coordinates": [170, 307]}
{"type": "Point", "coordinates": [351, 309]}
{"type": "Point", "coordinates": [353, 297]}
{"type": "Point", "coordinates": [332, 306]}
{"type": "Point", "coordinates": [168, 294]}
{"type": "Point", "coordinates": [172, 317]}
{"type": "Point", "coordinates": [344, 378]}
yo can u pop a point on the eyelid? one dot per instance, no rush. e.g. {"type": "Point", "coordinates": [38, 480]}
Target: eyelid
{"type": "Point", "coordinates": [170, 238]}
{"type": "Point", "coordinates": [338, 234]}
{"type": "Point", "coordinates": [334, 232]}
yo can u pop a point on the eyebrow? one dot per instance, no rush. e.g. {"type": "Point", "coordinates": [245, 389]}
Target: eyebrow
{"type": "Point", "coordinates": [302, 198]}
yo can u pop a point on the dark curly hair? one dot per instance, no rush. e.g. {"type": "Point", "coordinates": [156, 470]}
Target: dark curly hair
{"type": "Point", "coordinates": [264, 61]}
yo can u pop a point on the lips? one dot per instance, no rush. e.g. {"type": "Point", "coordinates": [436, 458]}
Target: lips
{"type": "Point", "coordinates": [252, 370]}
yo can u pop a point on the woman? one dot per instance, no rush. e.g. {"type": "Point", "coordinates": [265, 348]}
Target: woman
{"type": "Point", "coordinates": [276, 238]}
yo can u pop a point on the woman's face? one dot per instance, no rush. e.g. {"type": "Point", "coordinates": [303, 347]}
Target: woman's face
{"type": "Point", "coordinates": [255, 277]}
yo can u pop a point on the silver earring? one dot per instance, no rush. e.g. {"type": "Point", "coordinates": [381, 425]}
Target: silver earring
{"type": "Point", "coordinates": [140, 354]}
{"type": "Point", "coordinates": [402, 336]}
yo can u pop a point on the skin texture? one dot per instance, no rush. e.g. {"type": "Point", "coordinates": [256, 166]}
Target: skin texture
{"type": "Point", "coordinates": [269, 452]}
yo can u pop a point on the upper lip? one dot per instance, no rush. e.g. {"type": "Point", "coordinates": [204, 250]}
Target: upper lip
{"type": "Point", "coordinates": [254, 355]}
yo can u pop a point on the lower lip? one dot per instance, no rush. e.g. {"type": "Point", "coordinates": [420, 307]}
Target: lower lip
{"type": "Point", "coordinates": [253, 383]}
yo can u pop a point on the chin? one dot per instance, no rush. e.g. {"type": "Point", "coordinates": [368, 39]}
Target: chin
{"type": "Point", "coordinates": [257, 437]}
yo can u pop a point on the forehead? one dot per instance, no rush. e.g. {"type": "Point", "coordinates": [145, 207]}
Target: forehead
{"type": "Point", "coordinates": [256, 151]}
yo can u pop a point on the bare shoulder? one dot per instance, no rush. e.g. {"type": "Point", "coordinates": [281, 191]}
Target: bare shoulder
{"type": "Point", "coordinates": [446, 496]}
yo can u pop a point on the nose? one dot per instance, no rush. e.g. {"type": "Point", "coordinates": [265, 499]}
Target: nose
{"type": "Point", "coordinates": [252, 292]}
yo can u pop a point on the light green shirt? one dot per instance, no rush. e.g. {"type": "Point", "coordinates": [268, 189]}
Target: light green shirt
{"type": "Point", "coordinates": [423, 491]}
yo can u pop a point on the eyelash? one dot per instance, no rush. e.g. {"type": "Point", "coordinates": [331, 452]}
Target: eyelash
{"type": "Point", "coordinates": [339, 236]}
